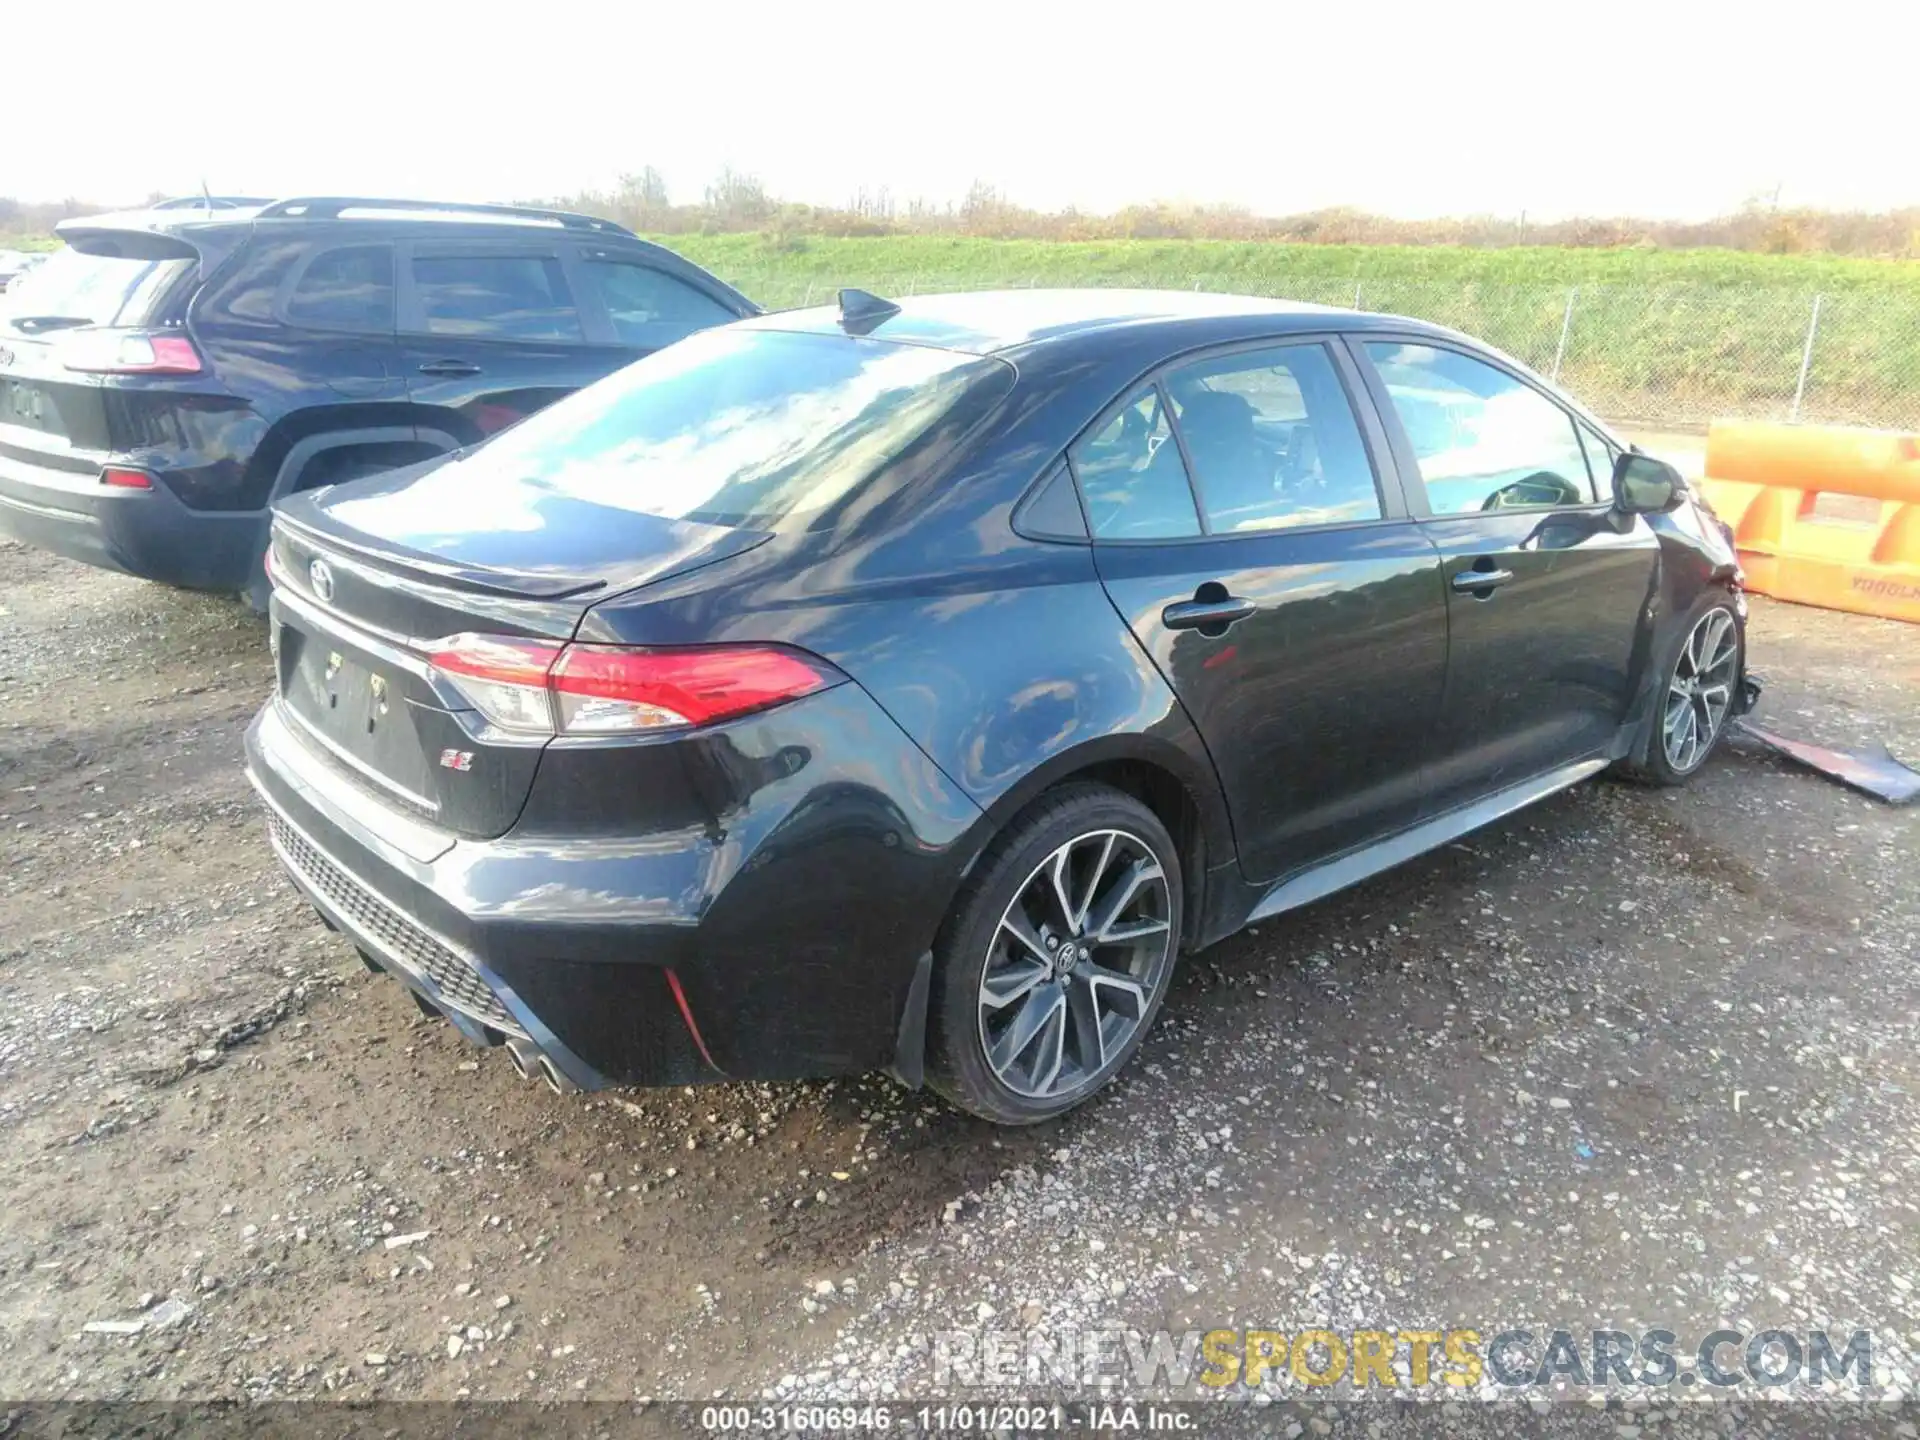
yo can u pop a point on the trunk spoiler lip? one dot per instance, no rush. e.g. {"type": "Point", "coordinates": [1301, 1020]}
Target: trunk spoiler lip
{"type": "Point", "coordinates": [508, 584]}
{"type": "Point", "coordinates": [496, 581]}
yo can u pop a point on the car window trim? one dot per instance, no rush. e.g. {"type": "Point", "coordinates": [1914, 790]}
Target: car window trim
{"type": "Point", "coordinates": [1408, 463]}
{"type": "Point", "coordinates": [1374, 438]}
{"type": "Point", "coordinates": [1194, 491]}
{"type": "Point", "coordinates": [1602, 482]}
{"type": "Point", "coordinates": [283, 297]}
{"type": "Point", "coordinates": [410, 321]}
{"type": "Point", "coordinates": [596, 322]}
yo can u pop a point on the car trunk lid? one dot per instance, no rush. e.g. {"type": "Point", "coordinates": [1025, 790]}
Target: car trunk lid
{"type": "Point", "coordinates": [369, 579]}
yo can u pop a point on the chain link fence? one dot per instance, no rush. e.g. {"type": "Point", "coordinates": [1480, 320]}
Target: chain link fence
{"type": "Point", "coordinates": [1671, 354]}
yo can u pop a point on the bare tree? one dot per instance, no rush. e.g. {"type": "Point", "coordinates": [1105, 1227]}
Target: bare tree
{"type": "Point", "coordinates": [737, 201]}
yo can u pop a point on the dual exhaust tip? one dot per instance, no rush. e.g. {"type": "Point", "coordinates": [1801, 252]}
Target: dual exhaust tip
{"type": "Point", "coordinates": [530, 1063]}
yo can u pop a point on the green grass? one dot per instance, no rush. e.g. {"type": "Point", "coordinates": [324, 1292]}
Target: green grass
{"type": "Point", "coordinates": [1671, 336]}
{"type": "Point", "coordinates": [1657, 335]}
{"type": "Point", "coordinates": [778, 264]}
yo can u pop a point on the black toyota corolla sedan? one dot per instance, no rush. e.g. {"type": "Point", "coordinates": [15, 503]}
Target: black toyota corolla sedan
{"type": "Point", "coordinates": [907, 686]}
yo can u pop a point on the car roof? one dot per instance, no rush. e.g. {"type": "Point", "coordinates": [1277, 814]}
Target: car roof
{"type": "Point", "coordinates": [986, 322]}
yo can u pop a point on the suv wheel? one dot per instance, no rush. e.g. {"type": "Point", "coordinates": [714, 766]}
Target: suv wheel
{"type": "Point", "coordinates": [1056, 957]}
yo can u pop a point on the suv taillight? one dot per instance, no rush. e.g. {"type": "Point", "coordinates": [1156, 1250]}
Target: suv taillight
{"type": "Point", "coordinates": [534, 687]}
{"type": "Point", "coordinates": [128, 352]}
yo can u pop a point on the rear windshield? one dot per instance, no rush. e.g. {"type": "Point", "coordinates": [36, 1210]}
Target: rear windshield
{"type": "Point", "coordinates": [741, 426]}
{"type": "Point", "coordinates": [76, 288]}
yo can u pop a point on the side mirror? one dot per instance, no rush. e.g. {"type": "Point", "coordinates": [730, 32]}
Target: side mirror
{"type": "Point", "coordinates": [1643, 485]}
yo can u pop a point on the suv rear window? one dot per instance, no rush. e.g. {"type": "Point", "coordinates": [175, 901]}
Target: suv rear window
{"type": "Point", "coordinates": [76, 287]}
{"type": "Point", "coordinates": [741, 427]}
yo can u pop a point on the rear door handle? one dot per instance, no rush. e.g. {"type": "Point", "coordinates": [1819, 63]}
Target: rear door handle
{"type": "Point", "coordinates": [1467, 581]}
{"type": "Point", "coordinates": [449, 367]}
{"type": "Point", "coordinates": [1206, 614]}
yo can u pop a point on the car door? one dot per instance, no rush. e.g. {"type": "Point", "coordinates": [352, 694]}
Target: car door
{"type": "Point", "coordinates": [493, 330]}
{"type": "Point", "coordinates": [339, 300]}
{"type": "Point", "coordinates": [1546, 582]}
{"type": "Point", "coordinates": [1248, 528]}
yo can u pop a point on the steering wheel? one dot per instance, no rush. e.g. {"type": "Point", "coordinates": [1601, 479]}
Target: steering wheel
{"type": "Point", "coordinates": [1543, 487]}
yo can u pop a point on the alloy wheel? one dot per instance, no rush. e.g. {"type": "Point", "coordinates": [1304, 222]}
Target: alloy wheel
{"type": "Point", "coordinates": [1075, 964]}
{"type": "Point", "coordinates": [1701, 690]}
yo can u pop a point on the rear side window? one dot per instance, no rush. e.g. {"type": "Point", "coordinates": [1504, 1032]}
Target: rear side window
{"type": "Point", "coordinates": [346, 289]}
{"type": "Point", "coordinates": [1272, 440]}
{"type": "Point", "coordinates": [1483, 440]}
{"type": "Point", "coordinates": [1131, 475]}
{"type": "Point", "coordinates": [495, 297]}
{"type": "Point", "coordinates": [649, 307]}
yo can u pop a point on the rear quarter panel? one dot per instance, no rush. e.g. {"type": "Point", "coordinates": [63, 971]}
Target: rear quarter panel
{"type": "Point", "coordinates": [1002, 658]}
{"type": "Point", "coordinates": [279, 384]}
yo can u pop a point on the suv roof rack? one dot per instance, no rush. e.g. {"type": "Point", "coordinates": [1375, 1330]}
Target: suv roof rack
{"type": "Point", "coordinates": [209, 202]}
{"type": "Point", "coordinates": [331, 207]}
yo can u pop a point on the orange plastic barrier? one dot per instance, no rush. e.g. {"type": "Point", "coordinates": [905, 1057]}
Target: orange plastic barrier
{"type": "Point", "coordinates": [1822, 514]}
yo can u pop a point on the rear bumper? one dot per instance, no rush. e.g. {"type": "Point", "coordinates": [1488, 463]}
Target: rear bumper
{"type": "Point", "coordinates": [780, 941]}
{"type": "Point", "coordinates": [147, 533]}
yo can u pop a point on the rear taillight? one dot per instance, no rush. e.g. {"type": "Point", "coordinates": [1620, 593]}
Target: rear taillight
{"type": "Point", "coordinates": [602, 688]}
{"type": "Point", "coordinates": [126, 479]}
{"type": "Point", "coordinates": [535, 687]}
{"type": "Point", "coordinates": [505, 679]}
{"type": "Point", "coordinates": [128, 352]}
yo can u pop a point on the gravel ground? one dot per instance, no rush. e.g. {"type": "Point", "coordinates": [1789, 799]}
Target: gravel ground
{"type": "Point", "coordinates": [1632, 1059]}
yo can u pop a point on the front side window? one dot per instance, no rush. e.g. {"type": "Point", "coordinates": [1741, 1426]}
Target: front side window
{"type": "Point", "coordinates": [1483, 440]}
{"type": "Point", "coordinates": [1131, 475]}
{"type": "Point", "coordinates": [495, 297]}
{"type": "Point", "coordinates": [346, 289]}
{"type": "Point", "coordinates": [649, 307]}
{"type": "Point", "coordinates": [1272, 440]}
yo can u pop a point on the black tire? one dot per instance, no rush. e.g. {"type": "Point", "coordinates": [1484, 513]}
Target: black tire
{"type": "Point", "coordinates": [1653, 761]}
{"type": "Point", "coordinates": [1109, 989]}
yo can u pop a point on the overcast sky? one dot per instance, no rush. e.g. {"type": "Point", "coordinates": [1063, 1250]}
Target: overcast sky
{"type": "Point", "coordinates": [1410, 107]}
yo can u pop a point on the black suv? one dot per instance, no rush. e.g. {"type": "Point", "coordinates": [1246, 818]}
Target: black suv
{"type": "Point", "coordinates": [172, 372]}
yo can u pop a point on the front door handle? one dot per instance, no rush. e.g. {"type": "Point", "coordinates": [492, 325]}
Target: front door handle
{"type": "Point", "coordinates": [449, 367]}
{"type": "Point", "coordinates": [1467, 581]}
{"type": "Point", "coordinates": [1213, 615]}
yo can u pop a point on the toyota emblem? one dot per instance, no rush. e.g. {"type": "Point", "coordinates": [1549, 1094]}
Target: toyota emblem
{"type": "Point", "coordinates": [320, 575]}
